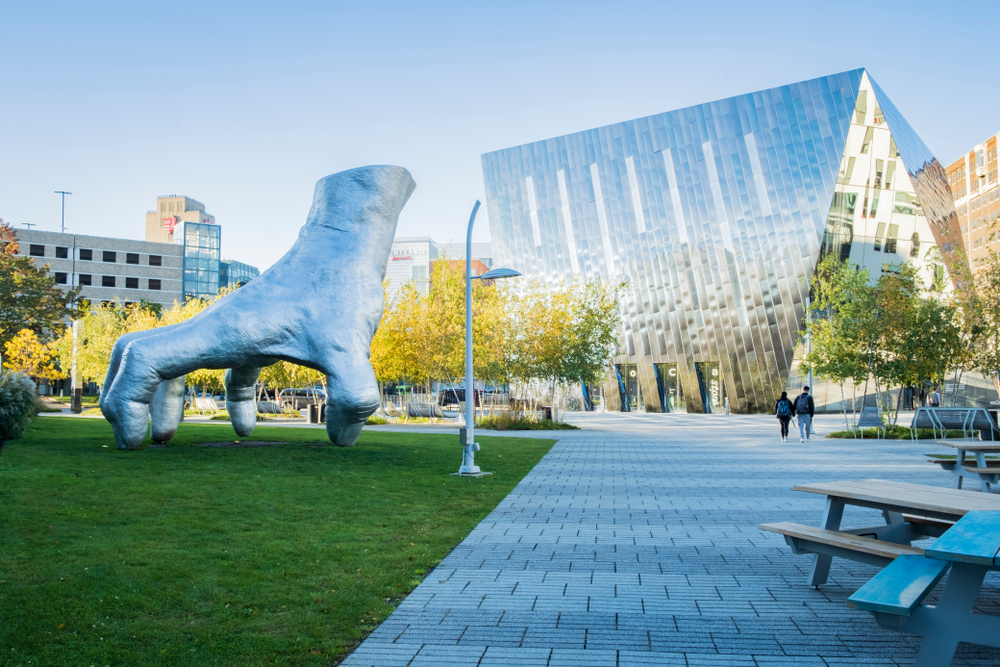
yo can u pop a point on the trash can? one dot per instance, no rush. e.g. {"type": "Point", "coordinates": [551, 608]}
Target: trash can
{"type": "Point", "coordinates": [312, 414]}
{"type": "Point", "coordinates": [547, 412]}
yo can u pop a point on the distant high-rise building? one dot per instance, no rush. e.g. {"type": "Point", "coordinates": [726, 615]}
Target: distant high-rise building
{"type": "Point", "coordinates": [183, 221]}
{"type": "Point", "coordinates": [412, 258]}
{"type": "Point", "coordinates": [163, 224]}
{"type": "Point", "coordinates": [974, 184]}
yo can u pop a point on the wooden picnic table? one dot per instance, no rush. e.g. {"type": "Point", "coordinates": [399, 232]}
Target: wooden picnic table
{"type": "Point", "coordinates": [911, 512]}
{"type": "Point", "coordinates": [987, 476]}
{"type": "Point", "coordinates": [970, 549]}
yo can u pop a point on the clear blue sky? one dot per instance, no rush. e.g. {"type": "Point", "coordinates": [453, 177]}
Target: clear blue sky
{"type": "Point", "coordinates": [244, 105]}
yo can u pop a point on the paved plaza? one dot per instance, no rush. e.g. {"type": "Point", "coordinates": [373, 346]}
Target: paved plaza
{"type": "Point", "coordinates": [635, 542]}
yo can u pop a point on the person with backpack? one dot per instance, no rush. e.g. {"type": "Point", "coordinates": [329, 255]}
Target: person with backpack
{"type": "Point", "coordinates": [804, 409]}
{"type": "Point", "coordinates": [935, 401]}
{"type": "Point", "coordinates": [783, 410]}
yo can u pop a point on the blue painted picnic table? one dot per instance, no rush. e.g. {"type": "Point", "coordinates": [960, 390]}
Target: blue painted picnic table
{"type": "Point", "coordinates": [969, 549]}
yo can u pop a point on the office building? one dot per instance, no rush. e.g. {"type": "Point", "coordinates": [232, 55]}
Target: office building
{"type": "Point", "coordinates": [973, 181]}
{"type": "Point", "coordinates": [107, 269]}
{"type": "Point", "coordinates": [412, 258]}
{"type": "Point", "coordinates": [183, 221]}
{"type": "Point", "coordinates": [236, 274]}
{"type": "Point", "coordinates": [717, 215]}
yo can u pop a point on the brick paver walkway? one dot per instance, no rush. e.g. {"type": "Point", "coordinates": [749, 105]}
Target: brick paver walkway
{"type": "Point", "coordinates": [635, 542]}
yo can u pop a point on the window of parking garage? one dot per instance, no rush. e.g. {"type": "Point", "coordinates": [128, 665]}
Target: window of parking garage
{"type": "Point", "coordinates": [107, 281]}
{"type": "Point", "coordinates": [156, 260]}
{"type": "Point", "coordinates": [131, 283]}
{"type": "Point", "coordinates": [62, 253]}
{"type": "Point", "coordinates": [61, 278]}
{"type": "Point", "coordinates": [86, 254]}
{"type": "Point", "coordinates": [36, 250]}
{"type": "Point", "coordinates": [85, 279]}
{"type": "Point", "coordinates": [154, 284]}
{"type": "Point", "coordinates": [132, 258]}
{"type": "Point", "coordinates": [110, 256]}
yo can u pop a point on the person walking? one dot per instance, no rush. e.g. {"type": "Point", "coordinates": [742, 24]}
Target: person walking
{"type": "Point", "coordinates": [804, 409]}
{"type": "Point", "coordinates": [935, 401]}
{"type": "Point", "coordinates": [783, 410]}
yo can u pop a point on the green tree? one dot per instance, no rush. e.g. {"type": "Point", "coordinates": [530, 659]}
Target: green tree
{"type": "Point", "coordinates": [29, 296]}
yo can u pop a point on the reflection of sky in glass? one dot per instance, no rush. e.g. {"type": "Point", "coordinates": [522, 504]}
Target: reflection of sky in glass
{"type": "Point", "coordinates": [715, 213]}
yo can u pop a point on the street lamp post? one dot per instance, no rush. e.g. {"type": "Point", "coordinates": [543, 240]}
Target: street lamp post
{"type": "Point", "coordinates": [467, 434]}
{"type": "Point", "coordinates": [62, 226]}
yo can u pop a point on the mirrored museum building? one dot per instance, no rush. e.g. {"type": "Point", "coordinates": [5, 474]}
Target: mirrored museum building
{"type": "Point", "coordinates": [717, 215]}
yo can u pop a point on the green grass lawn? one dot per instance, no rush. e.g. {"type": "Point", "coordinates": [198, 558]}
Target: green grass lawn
{"type": "Point", "coordinates": [188, 555]}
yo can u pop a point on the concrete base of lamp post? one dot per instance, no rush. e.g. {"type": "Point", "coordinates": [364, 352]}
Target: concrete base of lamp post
{"type": "Point", "coordinates": [471, 474]}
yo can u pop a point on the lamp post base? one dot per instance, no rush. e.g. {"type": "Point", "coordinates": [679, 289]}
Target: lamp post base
{"type": "Point", "coordinates": [471, 474]}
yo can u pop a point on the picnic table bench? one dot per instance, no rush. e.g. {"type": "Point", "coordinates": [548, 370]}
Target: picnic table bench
{"type": "Point", "coordinates": [970, 548]}
{"type": "Point", "coordinates": [988, 475]}
{"type": "Point", "coordinates": [911, 512]}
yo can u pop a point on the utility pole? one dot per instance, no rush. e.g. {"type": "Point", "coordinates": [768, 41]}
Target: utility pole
{"type": "Point", "coordinates": [63, 193]}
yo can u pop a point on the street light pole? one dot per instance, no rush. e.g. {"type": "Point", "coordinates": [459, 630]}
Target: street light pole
{"type": "Point", "coordinates": [468, 438]}
{"type": "Point", "coordinates": [467, 434]}
{"type": "Point", "coordinates": [63, 224]}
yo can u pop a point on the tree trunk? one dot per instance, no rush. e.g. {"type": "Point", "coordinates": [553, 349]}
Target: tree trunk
{"type": "Point", "coordinates": [843, 401]}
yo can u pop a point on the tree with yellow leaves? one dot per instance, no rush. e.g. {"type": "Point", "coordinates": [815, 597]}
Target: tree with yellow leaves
{"type": "Point", "coordinates": [25, 353]}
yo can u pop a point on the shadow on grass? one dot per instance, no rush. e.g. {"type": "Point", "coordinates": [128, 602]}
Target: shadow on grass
{"type": "Point", "coordinates": [190, 555]}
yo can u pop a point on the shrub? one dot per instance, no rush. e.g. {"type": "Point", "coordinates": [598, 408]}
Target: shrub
{"type": "Point", "coordinates": [898, 433]}
{"type": "Point", "coordinates": [376, 420]}
{"type": "Point", "coordinates": [18, 404]}
{"type": "Point", "coordinates": [506, 422]}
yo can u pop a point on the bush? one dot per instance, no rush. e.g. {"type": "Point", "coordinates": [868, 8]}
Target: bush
{"type": "Point", "coordinates": [377, 420]}
{"type": "Point", "coordinates": [897, 433]}
{"type": "Point", "coordinates": [506, 422]}
{"type": "Point", "coordinates": [18, 404]}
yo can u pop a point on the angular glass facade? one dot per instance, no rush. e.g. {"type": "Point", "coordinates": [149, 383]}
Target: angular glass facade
{"type": "Point", "coordinates": [202, 244]}
{"type": "Point", "coordinates": [236, 274]}
{"type": "Point", "coordinates": [717, 215]}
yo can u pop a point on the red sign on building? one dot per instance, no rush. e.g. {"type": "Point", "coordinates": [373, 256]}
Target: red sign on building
{"type": "Point", "coordinates": [169, 223]}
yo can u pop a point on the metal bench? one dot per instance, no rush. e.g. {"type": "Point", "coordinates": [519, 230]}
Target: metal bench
{"type": "Point", "coordinates": [424, 410]}
{"type": "Point", "coordinates": [869, 418]}
{"type": "Point", "coordinates": [968, 420]}
{"type": "Point", "coordinates": [894, 596]}
{"type": "Point", "coordinates": [269, 408]}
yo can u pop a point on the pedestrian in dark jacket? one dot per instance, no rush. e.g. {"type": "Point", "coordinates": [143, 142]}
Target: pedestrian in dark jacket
{"type": "Point", "coordinates": [784, 410]}
{"type": "Point", "coordinates": [804, 409]}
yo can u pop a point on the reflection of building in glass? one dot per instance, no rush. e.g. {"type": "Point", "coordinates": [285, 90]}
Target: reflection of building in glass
{"type": "Point", "coordinates": [201, 259]}
{"type": "Point", "coordinates": [236, 274]}
{"type": "Point", "coordinates": [717, 215]}
{"type": "Point", "coordinates": [974, 184]}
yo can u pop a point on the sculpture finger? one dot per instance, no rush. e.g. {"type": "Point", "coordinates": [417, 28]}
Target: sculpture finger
{"type": "Point", "coordinates": [116, 357]}
{"type": "Point", "coordinates": [351, 397]}
{"type": "Point", "coordinates": [143, 362]}
{"type": "Point", "coordinates": [241, 398]}
{"type": "Point", "coordinates": [167, 408]}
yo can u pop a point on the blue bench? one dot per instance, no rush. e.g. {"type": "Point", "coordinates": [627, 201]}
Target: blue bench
{"type": "Point", "coordinates": [969, 548]}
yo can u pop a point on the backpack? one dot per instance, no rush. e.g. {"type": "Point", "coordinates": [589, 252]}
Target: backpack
{"type": "Point", "coordinates": [802, 404]}
{"type": "Point", "coordinates": [784, 408]}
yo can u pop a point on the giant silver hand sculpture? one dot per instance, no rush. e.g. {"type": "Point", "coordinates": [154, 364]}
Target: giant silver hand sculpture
{"type": "Point", "coordinates": [318, 306]}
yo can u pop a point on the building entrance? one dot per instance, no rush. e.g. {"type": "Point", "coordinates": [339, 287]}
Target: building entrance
{"type": "Point", "coordinates": [669, 387]}
{"type": "Point", "coordinates": [710, 385]}
{"type": "Point", "coordinates": [628, 386]}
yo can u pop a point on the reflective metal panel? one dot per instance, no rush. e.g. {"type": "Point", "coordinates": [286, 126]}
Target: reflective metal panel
{"type": "Point", "coordinates": [717, 215]}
